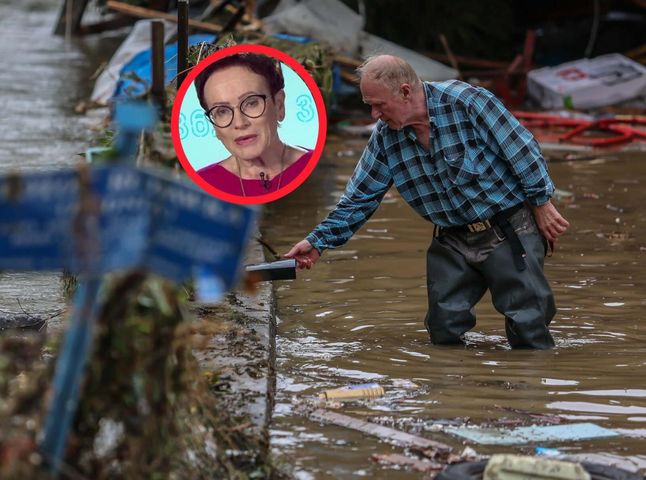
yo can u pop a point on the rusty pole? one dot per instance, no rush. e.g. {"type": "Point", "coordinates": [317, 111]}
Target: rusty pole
{"type": "Point", "coordinates": [159, 83]}
{"type": "Point", "coordinates": [182, 40]}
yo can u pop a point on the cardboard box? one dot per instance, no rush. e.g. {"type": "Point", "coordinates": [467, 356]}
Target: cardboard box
{"type": "Point", "coordinates": [587, 83]}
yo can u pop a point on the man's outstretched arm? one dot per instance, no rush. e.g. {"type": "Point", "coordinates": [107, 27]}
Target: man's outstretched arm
{"type": "Point", "coordinates": [363, 194]}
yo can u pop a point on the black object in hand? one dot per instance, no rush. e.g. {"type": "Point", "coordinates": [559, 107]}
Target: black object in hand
{"type": "Point", "coordinates": [280, 270]}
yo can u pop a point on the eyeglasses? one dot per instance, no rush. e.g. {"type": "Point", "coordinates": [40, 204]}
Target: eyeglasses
{"type": "Point", "coordinates": [252, 107]}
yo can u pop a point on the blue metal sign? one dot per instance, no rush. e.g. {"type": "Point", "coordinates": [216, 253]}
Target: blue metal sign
{"type": "Point", "coordinates": [98, 220]}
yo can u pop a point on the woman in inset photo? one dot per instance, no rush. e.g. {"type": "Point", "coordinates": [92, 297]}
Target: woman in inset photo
{"type": "Point", "coordinates": [243, 96]}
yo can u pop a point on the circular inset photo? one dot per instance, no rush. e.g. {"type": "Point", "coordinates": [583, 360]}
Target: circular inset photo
{"type": "Point", "coordinates": [248, 124]}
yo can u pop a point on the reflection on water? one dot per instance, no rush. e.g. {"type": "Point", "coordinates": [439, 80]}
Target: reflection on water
{"type": "Point", "coordinates": [42, 79]}
{"type": "Point", "coordinates": [357, 316]}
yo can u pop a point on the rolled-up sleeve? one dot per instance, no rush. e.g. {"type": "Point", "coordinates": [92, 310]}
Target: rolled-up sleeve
{"type": "Point", "coordinates": [511, 141]}
{"type": "Point", "coordinates": [363, 194]}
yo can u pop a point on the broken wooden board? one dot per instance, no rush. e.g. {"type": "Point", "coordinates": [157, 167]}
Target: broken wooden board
{"type": "Point", "coordinates": [533, 434]}
{"type": "Point", "coordinates": [72, 12]}
{"type": "Point", "coordinates": [388, 434]}
{"type": "Point", "coordinates": [148, 13]}
{"type": "Point", "coordinates": [404, 461]}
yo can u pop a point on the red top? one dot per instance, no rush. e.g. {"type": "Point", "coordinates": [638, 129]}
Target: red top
{"type": "Point", "coordinates": [228, 182]}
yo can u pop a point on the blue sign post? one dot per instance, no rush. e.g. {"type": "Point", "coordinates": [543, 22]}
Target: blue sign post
{"type": "Point", "coordinates": [69, 372]}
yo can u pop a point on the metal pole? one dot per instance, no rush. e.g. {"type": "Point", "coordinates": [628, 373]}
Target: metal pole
{"type": "Point", "coordinates": [70, 16]}
{"type": "Point", "coordinates": [182, 41]}
{"type": "Point", "coordinates": [69, 371]}
{"type": "Point", "coordinates": [159, 83]}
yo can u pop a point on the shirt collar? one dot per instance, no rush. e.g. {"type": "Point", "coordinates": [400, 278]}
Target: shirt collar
{"type": "Point", "coordinates": [429, 103]}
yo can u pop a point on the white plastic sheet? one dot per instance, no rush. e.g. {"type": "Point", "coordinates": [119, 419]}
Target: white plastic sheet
{"type": "Point", "coordinates": [138, 40]}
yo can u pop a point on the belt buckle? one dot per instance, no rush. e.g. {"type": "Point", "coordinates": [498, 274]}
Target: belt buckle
{"type": "Point", "coordinates": [479, 226]}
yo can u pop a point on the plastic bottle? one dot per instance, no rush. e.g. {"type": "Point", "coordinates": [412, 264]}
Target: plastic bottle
{"type": "Point", "coordinates": [353, 392]}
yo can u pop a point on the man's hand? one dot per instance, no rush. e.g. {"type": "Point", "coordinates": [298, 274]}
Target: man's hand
{"type": "Point", "coordinates": [306, 255]}
{"type": "Point", "coordinates": [549, 221]}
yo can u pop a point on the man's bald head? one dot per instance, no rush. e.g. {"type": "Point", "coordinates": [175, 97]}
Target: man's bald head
{"type": "Point", "coordinates": [390, 70]}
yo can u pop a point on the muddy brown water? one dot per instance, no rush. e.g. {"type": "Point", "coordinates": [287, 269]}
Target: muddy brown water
{"type": "Point", "coordinates": [357, 317]}
{"type": "Point", "coordinates": [42, 78]}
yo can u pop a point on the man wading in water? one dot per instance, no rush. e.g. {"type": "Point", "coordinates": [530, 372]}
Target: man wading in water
{"type": "Point", "coordinates": [463, 162]}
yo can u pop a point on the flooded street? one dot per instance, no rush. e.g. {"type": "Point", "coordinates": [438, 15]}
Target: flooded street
{"type": "Point", "coordinates": [43, 78]}
{"type": "Point", "coordinates": [357, 317]}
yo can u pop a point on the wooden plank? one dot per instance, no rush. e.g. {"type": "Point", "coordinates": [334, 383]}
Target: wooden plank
{"type": "Point", "coordinates": [235, 18]}
{"type": "Point", "coordinates": [158, 89]}
{"type": "Point", "coordinates": [397, 437]}
{"type": "Point", "coordinates": [349, 77]}
{"type": "Point", "coordinates": [148, 13]}
{"type": "Point", "coordinates": [468, 61]}
{"type": "Point", "coordinates": [450, 56]}
{"type": "Point", "coordinates": [161, 5]}
{"type": "Point", "coordinates": [111, 24]}
{"type": "Point", "coordinates": [403, 460]}
{"type": "Point", "coordinates": [493, 73]}
{"type": "Point", "coordinates": [346, 61]}
{"type": "Point", "coordinates": [636, 53]}
{"type": "Point", "coordinates": [75, 13]}
{"type": "Point", "coordinates": [219, 6]}
{"type": "Point", "coordinates": [182, 41]}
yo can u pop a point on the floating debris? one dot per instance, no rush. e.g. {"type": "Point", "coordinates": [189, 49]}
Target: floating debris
{"type": "Point", "coordinates": [419, 465]}
{"type": "Point", "coordinates": [591, 196]}
{"type": "Point", "coordinates": [563, 195]}
{"type": "Point", "coordinates": [353, 392]}
{"type": "Point", "coordinates": [22, 322]}
{"type": "Point", "coordinates": [618, 236]}
{"type": "Point", "coordinates": [612, 208]}
{"type": "Point", "coordinates": [397, 437]}
{"type": "Point", "coordinates": [523, 435]}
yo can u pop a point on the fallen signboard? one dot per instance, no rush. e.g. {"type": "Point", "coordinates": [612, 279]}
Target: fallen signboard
{"type": "Point", "coordinates": [97, 220]}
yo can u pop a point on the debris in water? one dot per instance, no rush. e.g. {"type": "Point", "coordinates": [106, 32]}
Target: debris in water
{"type": "Point", "coordinates": [547, 452]}
{"type": "Point", "coordinates": [591, 196]}
{"type": "Point", "coordinates": [22, 322]}
{"type": "Point", "coordinates": [618, 236]}
{"type": "Point", "coordinates": [397, 437]}
{"type": "Point", "coordinates": [563, 195]}
{"type": "Point", "coordinates": [403, 460]}
{"type": "Point", "coordinates": [522, 435]}
{"type": "Point", "coordinates": [612, 208]}
{"type": "Point", "coordinates": [353, 392]}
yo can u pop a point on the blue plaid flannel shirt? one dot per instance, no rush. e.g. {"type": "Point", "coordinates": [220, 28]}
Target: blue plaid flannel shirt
{"type": "Point", "coordinates": [481, 160]}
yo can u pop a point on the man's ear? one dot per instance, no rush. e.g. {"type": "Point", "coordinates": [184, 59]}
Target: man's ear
{"type": "Point", "coordinates": [279, 99]}
{"type": "Point", "coordinates": [405, 90]}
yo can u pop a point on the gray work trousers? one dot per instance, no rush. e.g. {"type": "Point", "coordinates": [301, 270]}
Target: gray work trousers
{"type": "Point", "coordinates": [462, 265]}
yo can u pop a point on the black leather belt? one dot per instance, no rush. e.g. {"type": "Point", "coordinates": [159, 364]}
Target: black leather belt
{"type": "Point", "coordinates": [500, 219]}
